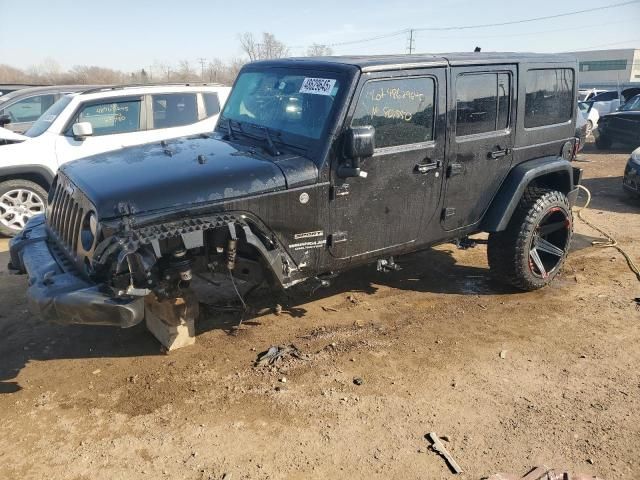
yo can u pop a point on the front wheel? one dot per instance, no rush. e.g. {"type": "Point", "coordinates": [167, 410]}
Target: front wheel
{"type": "Point", "coordinates": [589, 129]}
{"type": "Point", "coordinates": [533, 248]}
{"type": "Point", "coordinates": [19, 201]}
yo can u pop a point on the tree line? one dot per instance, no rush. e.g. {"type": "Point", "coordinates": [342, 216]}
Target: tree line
{"type": "Point", "coordinates": [263, 47]}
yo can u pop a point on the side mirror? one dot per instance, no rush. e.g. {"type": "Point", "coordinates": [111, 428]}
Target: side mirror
{"type": "Point", "coordinates": [359, 144]}
{"type": "Point", "coordinates": [4, 119]}
{"type": "Point", "coordinates": [82, 130]}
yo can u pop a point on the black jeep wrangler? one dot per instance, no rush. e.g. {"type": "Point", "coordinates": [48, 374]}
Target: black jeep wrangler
{"type": "Point", "coordinates": [318, 165]}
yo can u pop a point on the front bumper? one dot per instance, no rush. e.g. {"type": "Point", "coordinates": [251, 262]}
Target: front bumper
{"type": "Point", "coordinates": [63, 296]}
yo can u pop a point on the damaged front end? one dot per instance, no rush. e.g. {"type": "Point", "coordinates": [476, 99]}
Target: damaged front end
{"type": "Point", "coordinates": [83, 270]}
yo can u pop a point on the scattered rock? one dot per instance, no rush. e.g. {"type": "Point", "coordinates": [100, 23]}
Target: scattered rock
{"type": "Point", "coordinates": [358, 381]}
{"type": "Point", "coordinates": [590, 461]}
{"type": "Point", "coordinates": [283, 380]}
{"type": "Point", "coordinates": [96, 371]}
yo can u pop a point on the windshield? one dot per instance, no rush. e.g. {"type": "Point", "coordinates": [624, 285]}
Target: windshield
{"type": "Point", "coordinates": [633, 104]}
{"type": "Point", "coordinates": [47, 118]}
{"type": "Point", "coordinates": [283, 101]}
{"type": "Point", "coordinates": [584, 106]}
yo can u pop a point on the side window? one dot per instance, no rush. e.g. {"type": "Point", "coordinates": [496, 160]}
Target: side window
{"type": "Point", "coordinates": [483, 102]}
{"type": "Point", "coordinates": [174, 109]}
{"type": "Point", "coordinates": [211, 104]}
{"type": "Point", "coordinates": [605, 97]}
{"type": "Point", "coordinates": [401, 110]}
{"type": "Point", "coordinates": [29, 109]}
{"type": "Point", "coordinates": [113, 117]}
{"type": "Point", "coordinates": [549, 98]}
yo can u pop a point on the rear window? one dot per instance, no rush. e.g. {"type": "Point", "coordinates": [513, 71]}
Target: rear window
{"type": "Point", "coordinates": [549, 97]}
{"type": "Point", "coordinates": [211, 104]}
{"type": "Point", "coordinates": [174, 109]}
{"type": "Point", "coordinates": [482, 103]}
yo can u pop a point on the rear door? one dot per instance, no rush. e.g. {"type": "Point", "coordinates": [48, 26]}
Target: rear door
{"type": "Point", "coordinates": [387, 208]}
{"type": "Point", "coordinates": [480, 150]}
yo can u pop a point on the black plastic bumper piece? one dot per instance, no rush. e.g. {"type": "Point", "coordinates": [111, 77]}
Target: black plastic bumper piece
{"type": "Point", "coordinates": [62, 296]}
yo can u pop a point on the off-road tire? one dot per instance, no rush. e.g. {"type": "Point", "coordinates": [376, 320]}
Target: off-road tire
{"type": "Point", "coordinates": [15, 185]}
{"type": "Point", "coordinates": [510, 251]}
{"type": "Point", "coordinates": [603, 143]}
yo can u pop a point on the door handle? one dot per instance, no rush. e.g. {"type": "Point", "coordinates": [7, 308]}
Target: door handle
{"type": "Point", "coordinates": [424, 168]}
{"type": "Point", "coordinates": [499, 153]}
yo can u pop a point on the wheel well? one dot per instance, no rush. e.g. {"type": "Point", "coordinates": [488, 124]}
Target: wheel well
{"type": "Point", "coordinates": [554, 181]}
{"type": "Point", "coordinates": [31, 176]}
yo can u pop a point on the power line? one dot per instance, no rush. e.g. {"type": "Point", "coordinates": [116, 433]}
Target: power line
{"type": "Point", "coordinates": [406, 31]}
{"type": "Point", "coordinates": [528, 20]}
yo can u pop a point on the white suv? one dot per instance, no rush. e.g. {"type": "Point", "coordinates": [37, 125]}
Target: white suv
{"type": "Point", "coordinates": [96, 121]}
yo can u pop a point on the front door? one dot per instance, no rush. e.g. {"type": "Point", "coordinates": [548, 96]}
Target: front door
{"type": "Point", "coordinates": [116, 124]}
{"type": "Point", "coordinates": [402, 187]}
{"type": "Point", "coordinates": [480, 151]}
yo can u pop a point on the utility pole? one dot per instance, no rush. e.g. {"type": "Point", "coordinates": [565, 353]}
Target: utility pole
{"type": "Point", "coordinates": [202, 62]}
{"type": "Point", "coordinates": [411, 46]}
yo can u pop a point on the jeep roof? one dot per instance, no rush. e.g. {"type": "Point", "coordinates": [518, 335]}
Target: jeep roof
{"type": "Point", "coordinates": [375, 63]}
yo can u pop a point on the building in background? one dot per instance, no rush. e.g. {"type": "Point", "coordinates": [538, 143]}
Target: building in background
{"type": "Point", "coordinates": [609, 68]}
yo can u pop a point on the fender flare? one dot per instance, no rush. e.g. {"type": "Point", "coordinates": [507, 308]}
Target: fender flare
{"type": "Point", "coordinates": [16, 171]}
{"type": "Point", "coordinates": [556, 172]}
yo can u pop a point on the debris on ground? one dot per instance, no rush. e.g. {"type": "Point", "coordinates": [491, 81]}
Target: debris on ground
{"type": "Point", "coordinates": [503, 354]}
{"type": "Point", "coordinates": [438, 447]}
{"type": "Point", "coordinates": [277, 309]}
{"type": "Point", "coordinates": [277, 353]}
{"type": "Point", "coordinates": [329, 309]}
{"type": "Point", "coordinates": [543, 473]}
{"type": "Point", "coordinates": [358, 381]}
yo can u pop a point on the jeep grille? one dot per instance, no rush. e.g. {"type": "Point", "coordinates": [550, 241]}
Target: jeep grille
{"type": "Point", "coordinates": [64, 216]}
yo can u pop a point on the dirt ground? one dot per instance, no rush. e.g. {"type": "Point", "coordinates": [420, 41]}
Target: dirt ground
{"type": "Point", "coordinates": [99, 403]}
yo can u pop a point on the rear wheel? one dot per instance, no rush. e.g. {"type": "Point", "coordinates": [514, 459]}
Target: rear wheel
{"type": "Point", "coordinates": [19, 201]}
{"type": "Point", "coordinates": [533, 248]}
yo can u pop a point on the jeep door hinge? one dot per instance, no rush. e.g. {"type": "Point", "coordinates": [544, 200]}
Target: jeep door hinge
{"type": "Point", "coordinates": [339, 191]}
{"type": "Point", "coordinates": [454, 169]}
{"type": "Point", "coordinates": [448, 212]}
{"type": "Point", "coordinates": [335, 238]}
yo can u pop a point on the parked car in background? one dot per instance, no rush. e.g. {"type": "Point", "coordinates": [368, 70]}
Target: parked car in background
{"type": "Point", "coordinates": [12, 87]}
{"type": "Point", "coordinates": [585, 94]}
{"type": "Point", "coordinates": [8, 137]}
{"type": "Point", "coordinates": [631, 179]}
{"type": "Point", "coordinates": [21, 108]}
{"type": "Point", "coordinates": [581, 131]}
{"type": "Point", "coordinates": [591, 116]}
{"type": "Point", "coordinates": [605, 102]}
{"type": "Point", "coordinates": [622, 126]}
{"type": "Point", "coordinates": [97, 121]}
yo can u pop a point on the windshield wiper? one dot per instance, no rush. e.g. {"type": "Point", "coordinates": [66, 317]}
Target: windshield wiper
{"type": "Point", "coordinates": [229, 129]}
{"type": "Point", "coordinates": [267, 136]}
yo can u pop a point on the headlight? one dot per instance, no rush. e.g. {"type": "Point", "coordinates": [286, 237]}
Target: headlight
{"type": "Point", "coordinates": [635, 155]}
{"type": "Point", "coordinates": [89, 230]}
{"type": "Point", "coordinates": [93, 223]}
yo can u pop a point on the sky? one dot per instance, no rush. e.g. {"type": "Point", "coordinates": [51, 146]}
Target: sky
{"type": "Point", "coordinates": [130, 35]}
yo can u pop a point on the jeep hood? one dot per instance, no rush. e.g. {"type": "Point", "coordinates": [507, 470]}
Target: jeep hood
{"type": "Point", "coordinates": [183, 172]}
